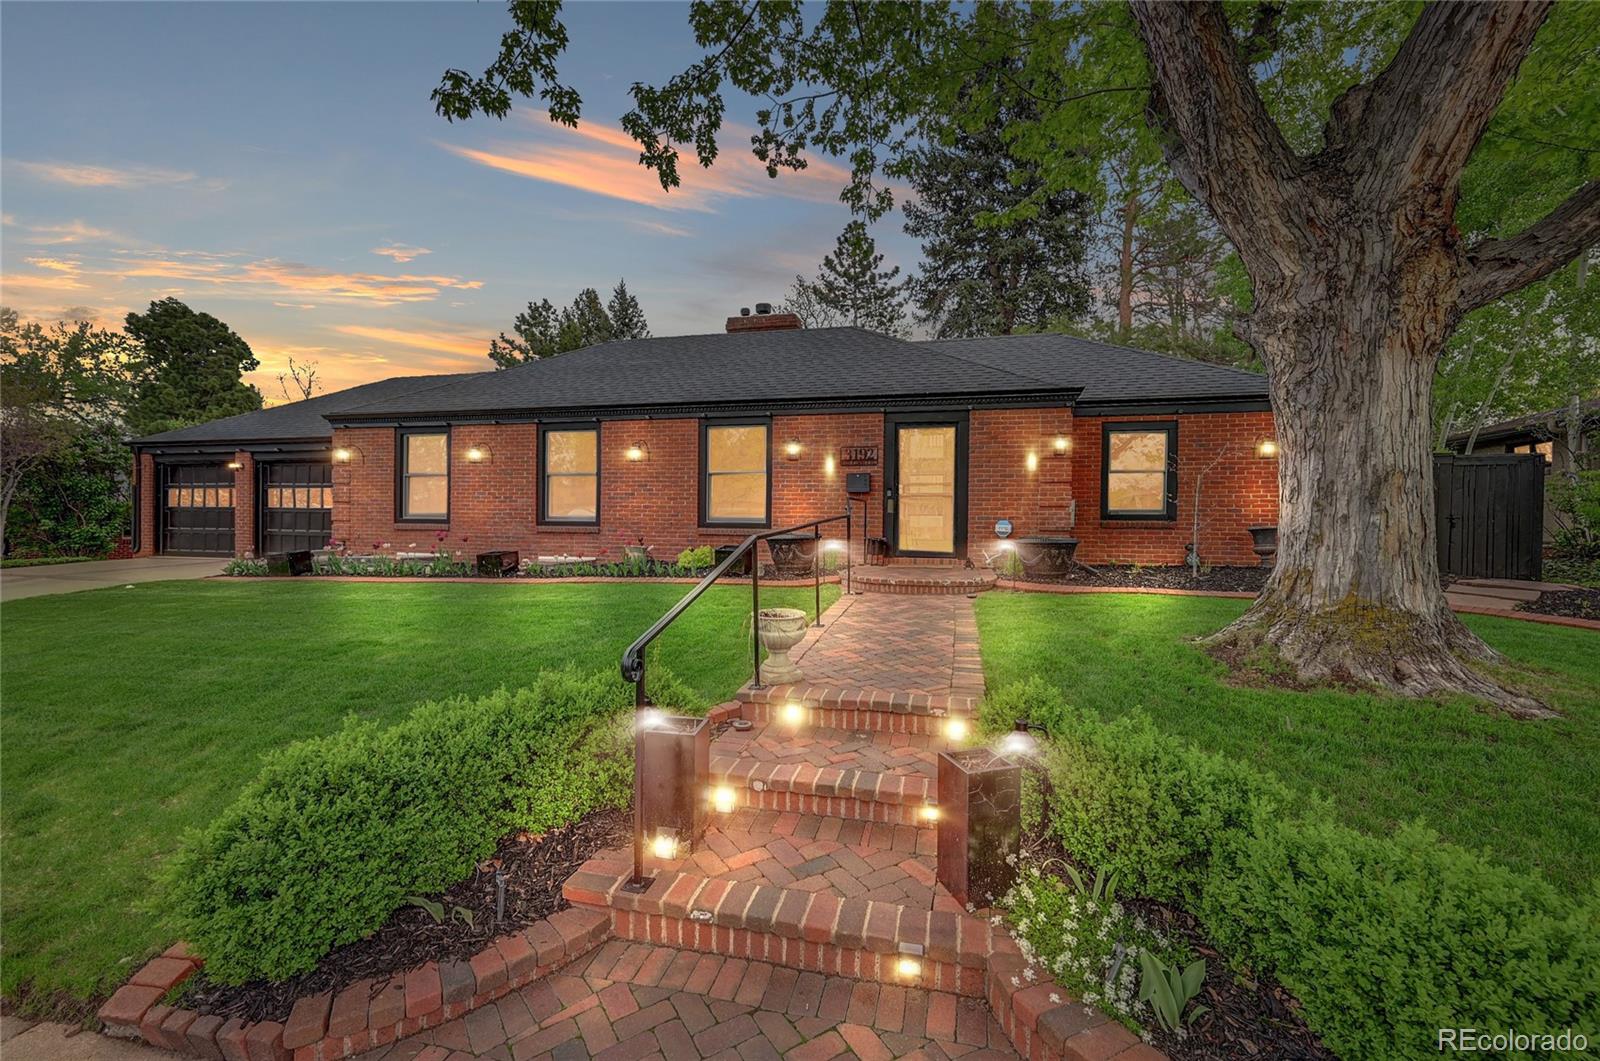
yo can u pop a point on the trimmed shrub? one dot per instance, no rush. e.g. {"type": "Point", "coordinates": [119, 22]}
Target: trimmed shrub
{"type": "Point", "coordinates": [697, 557]}
{"type": "Point", "coordinates": [1385, 940]}
{"type": "Point", "coordinates": [327, 840]}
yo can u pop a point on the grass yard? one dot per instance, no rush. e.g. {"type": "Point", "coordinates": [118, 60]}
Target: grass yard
{"type": "Point", "coordinates": [132, 714]}
{"type": "Point", "coordinates": [1525, 791]}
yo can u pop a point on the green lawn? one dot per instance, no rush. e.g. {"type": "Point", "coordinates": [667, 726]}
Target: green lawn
{"type": "Point", "coordinates": [1525, 791]}
{"type": "Point", "coordinates": [132, 714]}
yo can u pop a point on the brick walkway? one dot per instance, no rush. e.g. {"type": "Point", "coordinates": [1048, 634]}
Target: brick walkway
{"type": "Point", "coordinates": [633, 1001]}
{"type": "Point", "coordinates": [896, 644]}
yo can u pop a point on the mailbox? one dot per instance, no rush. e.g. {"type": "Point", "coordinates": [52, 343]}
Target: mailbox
{"type": "Point", "coordinates": [858, 482]}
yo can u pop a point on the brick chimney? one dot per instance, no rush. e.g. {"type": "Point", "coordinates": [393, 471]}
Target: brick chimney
{"type": "Point", "coordinates": [764, 320]}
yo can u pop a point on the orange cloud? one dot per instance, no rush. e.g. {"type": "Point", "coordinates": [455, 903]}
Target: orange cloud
{"type": "Point", "coordinates": [70, 232]}
{"type": "Point", "coordinates": [80, 175]}
{"type": "Point", "coordinates": [401, 252]}
{"type": "Point", "coordinates": [604, 160]}
{"type": "Point", "coordinates": [456, 343]}
{"type": "Point", "coordinates": [276, 278]}
{"type": "Point", "coordinates": [53, 282]}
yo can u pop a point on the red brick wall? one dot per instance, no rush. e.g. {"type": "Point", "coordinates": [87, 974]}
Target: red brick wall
{"type": "Point", "coordinates": [494, 504]}
{"type": "Point", "coordinates": [244, 504]}
{"type": "Point", "coordinates": [1240, 491]}
{"type": "Point", "coordinates": [144, 474]}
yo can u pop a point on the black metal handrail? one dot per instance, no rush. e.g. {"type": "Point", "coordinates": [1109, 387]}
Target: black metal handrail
{"type": "Point", "coordinates": [633, 655]}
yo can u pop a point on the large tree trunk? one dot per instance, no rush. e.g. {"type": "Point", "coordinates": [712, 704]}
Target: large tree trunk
{"type": "Point", "coordinates": [1355, 595]}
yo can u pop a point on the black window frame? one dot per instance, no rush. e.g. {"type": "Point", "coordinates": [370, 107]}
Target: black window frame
{"type": "Point", "coordinates": [706, 426]}
{"type": "Point", "coordinates": [1169, 512]}
{"type": "Point", "coordinates": [543, 515]}
{"type": "Point", "coordinates": [401, 456]}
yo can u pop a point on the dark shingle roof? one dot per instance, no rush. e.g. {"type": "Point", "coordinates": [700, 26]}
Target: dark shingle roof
{"type": "Point", "coordinates": [752, 367]}
{"type": "Point", "coordinates": [300, 420]}
{"type": "Point", "coordinates": [1107, 373]}
{"type": "Point", "coordinates": [1548, 423]}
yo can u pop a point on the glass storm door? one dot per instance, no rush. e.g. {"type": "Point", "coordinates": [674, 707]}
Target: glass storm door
{"type": "Point", "coordinates": [926, 488]}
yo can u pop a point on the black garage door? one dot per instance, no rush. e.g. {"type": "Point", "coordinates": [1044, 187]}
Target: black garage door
{"type": "Point", "coordinates": [197, 509]}
{"type": "Point", "coordinates": [296, 505]}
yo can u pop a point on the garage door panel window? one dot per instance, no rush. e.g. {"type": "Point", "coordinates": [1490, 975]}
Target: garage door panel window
{"type": "Point", "coordinates": [424, 476]}
{"type": "Point", "coordinates": [570, 475]}
{"type": "Point", "coordinates": [737, 460]}
{"type": "Point", "coordinates": [1140, 471]}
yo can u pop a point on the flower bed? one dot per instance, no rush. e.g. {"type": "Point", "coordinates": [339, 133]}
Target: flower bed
{"type": "Point", "coordinates": [1134, 576]}
{"type": "Point", "coordinates": [1384, 940]}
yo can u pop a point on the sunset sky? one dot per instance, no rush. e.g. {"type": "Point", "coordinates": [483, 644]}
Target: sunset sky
{"type": "Point", "coordinates": [280, 166]}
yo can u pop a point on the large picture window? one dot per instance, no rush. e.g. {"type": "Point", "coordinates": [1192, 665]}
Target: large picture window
{"type": "Point", "coordinates": [569, 471]}
{"type": "Point", "coordinates": [424, 476]}
{"type": "Point", "coordinates": [735, 462]}
{"type": "Point", "coordinates": [1139, 476]}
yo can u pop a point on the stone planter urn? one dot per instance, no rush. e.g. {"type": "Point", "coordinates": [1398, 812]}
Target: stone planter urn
{"type": "Point", "coordinates": [1264, 540]}
{"type": "Point", "coordinates": [636, 552]}
{"type": "Point", "coordinates": [793, 555]}
{"type": "Point", "coordinates": [781, 629]}
{"type": "Point", "coordinates": [1046, 555]}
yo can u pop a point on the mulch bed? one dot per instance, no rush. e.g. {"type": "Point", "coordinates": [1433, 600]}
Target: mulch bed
{"type": "Point", "coordinates": [534, 869]}
{"type": "Point", "coordinates": [1253, 1018]}
{"type": "Point", "coordinates": [1177, 576]}
{"type": "Point", "coordinates": [1573, 603]}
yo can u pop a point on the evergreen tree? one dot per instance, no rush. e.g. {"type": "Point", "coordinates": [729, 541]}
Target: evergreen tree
{"type": "Point", "coordinates": [541, 330]}
{"type": "Point", "coordinates": [627, 318]}
{"type": "Point", "coordinates": [1001, 249]}
{"type": "Point", "coordinates": [852, 284]}
{"type": "Point", "coordinates": [191, 369]}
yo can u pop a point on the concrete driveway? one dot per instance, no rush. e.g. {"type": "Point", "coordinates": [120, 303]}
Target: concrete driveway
{"type": "Point", "coordinates": [19, 582]}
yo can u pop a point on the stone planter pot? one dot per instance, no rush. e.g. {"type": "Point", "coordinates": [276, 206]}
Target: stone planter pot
{"type": "Point", "coordinates": [1045, 555]}
{"type": "Point", "coordinates": [636, 552]}
{"type": "Point", "coordinates": [1264, 540]}
{"type": "Point", "coordinates": [781, 629]}
{"type": "Point", "coordinates": [793, 555]}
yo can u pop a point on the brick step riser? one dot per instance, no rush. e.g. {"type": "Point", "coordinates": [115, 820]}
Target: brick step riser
{"type": "Point", "coordinates": [922, 589]}
{"type": "Point", "coordinates": [862, 719]}
{"type": "Point", "coordinates": [855, 963]}
{"type": "Point", "coordinates": [845, 807]}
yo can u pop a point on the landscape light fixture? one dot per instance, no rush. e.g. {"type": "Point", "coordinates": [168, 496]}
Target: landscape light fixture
{"type": "Point", "coordinates": [956, 729]}
{"type": "Point", "coordinates": [1020, 740]}
{"type": "Point", "coordinates": [1267, 448]}
{"type": "Point", "coordinates": [793, 714]}
{"type": "Point", "coordinates": [909, 964]}
{"type": "Point", "coordinates": [665, 845]}
{"type": "Point", "coordinates": [723, 799]}
{"type": "Point", "coordinates": [929, 812]}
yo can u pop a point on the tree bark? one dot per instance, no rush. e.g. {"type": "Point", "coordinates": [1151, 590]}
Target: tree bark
{"type": "Point", "coordinates": [1359, 280]}
{"type": "Point", "coordinates": [1130, 219]}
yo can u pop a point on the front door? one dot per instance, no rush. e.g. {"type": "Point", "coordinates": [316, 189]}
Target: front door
{"type": "Point", "coordinates": [927, 490]}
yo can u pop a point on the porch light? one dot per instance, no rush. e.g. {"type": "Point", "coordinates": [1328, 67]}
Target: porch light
{"type": "Point", "coordinates": [477, 454]}
{"type": "Point", "coordinates": [665, 845]}
{"type": "Point", "coordinates": [929, 812]}
{"type": "Point", "coordinates": [829, 465]}
{"type": "Point", "coordinates": [637, 452]}
{"type": "Point", "coordinates": [956, 729]}
{"type": "Point", "coordinates": [344, 455]}
{"type": "Point", "coordinates": [234, 466]}
{"type": "Point", "coordinates": [1020, 740]}
{"type": "Point", "coordinates": [723, 799]}
{"type": "Point", "coordinates": [1267, 448]}
{"type": "Point", "coordinates": [791, 450]}
{"type": "Point", "coordinates": [1033, 461]}
{"type": "Point", "coordinates": [1061, 445]}
{"type": "Point", "coordinates": [793, 714]}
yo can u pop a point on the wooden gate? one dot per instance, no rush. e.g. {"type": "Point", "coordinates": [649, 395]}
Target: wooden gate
{"type": "Point", "coordinates": [1489, 514]}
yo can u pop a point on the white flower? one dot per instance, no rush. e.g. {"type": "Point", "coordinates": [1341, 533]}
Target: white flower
{"type": "Point", "coordinates": [1030, 974]}
{"type": "Point", "coordinates": [1055, 999]}
{"type": "Point", "coordinates": [1015, 982]}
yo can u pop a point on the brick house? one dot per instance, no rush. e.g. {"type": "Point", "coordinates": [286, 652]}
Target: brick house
{"type": "Point", "coordinates": [700, 439]}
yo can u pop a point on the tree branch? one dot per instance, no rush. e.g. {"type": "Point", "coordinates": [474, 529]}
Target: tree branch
{"type": "Point", "coordinates": [1423, 115]}
{"type": "Point", "coordinates": [1497, 267]}
{"type": "Point", "coordinates": [1220, 141]}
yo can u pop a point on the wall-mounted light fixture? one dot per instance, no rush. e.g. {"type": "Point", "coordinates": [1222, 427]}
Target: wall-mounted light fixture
{"type": "Point", "coordinates": [1266, 448]}
{"type": "Point", "coordinates": [1033, 461]}
{"type": "Point", "coordinates": [345, 454]}
{"type": "Point", "coordinates": [1060, 445]}
{"type": "Point", "coordinates": [234, 466]}
{"type": "Point", "coordinates": [478, 454]}
{"type": "Point", "coordinates": [829, 465]}
{"type": "Point", "coordinates": [637, 452]}
{"type": "Point", "coordinates": [791, 450]}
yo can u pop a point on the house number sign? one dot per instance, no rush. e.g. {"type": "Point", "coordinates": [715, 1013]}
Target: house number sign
{"type": "Point", "coordinates": [858, 456]}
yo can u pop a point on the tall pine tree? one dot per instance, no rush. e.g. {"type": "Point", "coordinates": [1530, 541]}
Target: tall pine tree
{"type": "Point", "coordinates": [541, 330]}
{"type": "Point", "coordinates": [853, 284]}
{"type": "Point", "coordinates": [1001, 248]}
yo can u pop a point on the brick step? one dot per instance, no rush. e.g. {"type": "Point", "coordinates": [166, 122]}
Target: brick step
{"type": "Point", "coordinates": [855, 709]}
{"type": "Point", "coordinates": [815, 931]}
{"type": "Point", "coordinates": [867, 775]}
{"type": "Point", "coordinates": [923, 580]}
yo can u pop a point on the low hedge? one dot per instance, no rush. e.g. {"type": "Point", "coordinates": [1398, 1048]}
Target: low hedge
{"type": "Point", "coordinates": [326, 841]}
{"type": "Point", "coordinates": [1385, 939]}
